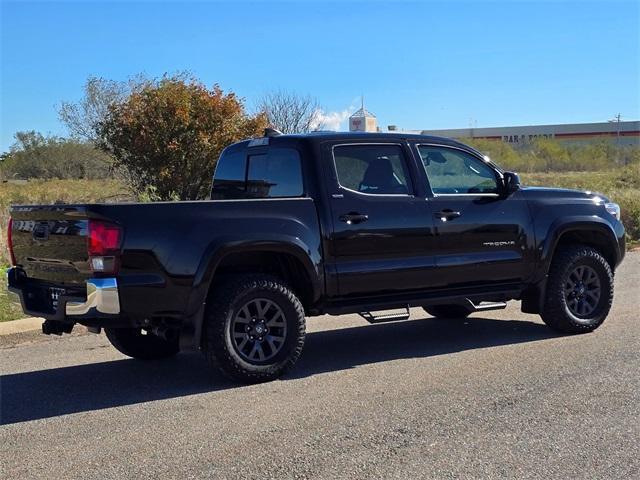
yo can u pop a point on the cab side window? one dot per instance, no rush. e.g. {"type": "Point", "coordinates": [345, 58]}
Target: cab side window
{"type": "Point", "coordinates": [451, 171]}
{"type": "Point", "coordinates": [229, 176]}
{"type": "Point", "coordinates": [372, 169]}
{"type": "Point", "coordinates": [276, 173]}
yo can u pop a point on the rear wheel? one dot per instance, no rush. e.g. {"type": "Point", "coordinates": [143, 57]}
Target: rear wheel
{"type": "Point", "coordinates": [254, 328]}
{"type": "Point", "coordinates": [448, 311]}
{"type": "Point", "coordinates": [136, 343]}
{"type": "Point", "coordinates": [579, 290]}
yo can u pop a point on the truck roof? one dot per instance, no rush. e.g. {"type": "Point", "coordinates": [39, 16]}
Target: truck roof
{"type": "Point", "coordinates": [323, 136]}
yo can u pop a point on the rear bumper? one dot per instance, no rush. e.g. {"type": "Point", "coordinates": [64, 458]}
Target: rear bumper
{"type": "Point", "coordinates": [101, 299]}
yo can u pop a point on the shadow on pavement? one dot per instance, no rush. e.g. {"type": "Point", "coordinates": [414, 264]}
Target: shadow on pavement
{"type": "Point", "coordinates": [60, 391]}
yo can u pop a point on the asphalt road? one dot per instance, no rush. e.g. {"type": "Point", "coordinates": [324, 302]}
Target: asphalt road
{"type": "Point", "coordinates": [495, 396]}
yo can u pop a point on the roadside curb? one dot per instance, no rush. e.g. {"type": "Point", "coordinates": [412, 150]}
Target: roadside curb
{"type": "Point", "coordinates": [20, 326]}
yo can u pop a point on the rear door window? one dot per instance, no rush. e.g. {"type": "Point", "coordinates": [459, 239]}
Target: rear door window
{"type": "Point", "coordinates": [372, 169]}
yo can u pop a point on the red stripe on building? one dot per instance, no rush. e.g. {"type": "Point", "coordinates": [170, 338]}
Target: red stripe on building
{"type": "Point", "coordinates": [632, 133]}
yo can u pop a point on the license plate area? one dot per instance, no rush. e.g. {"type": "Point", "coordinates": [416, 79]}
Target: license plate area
{"type": "Point", "coordinates": [54, 295]}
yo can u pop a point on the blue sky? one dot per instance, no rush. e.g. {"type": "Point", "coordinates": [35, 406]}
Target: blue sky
{"type": "Point", "coordinates": [420, 65]}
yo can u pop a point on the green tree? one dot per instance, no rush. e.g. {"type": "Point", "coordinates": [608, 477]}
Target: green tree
{"type": "Point", "coordinates": [500, 152]}
{"type": "Point", "coordinates": [168, 136]}
{"type": "Point", "coordinates": [35, 156]}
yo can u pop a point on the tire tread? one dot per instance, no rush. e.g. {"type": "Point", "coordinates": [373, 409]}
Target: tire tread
{"type": "Point", "coordinates": [219, 306]}
{"type": "Point", "coordinates": [554, 312]}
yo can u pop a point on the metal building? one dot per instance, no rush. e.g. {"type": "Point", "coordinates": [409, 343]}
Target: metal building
{"type": "Point", "coordinates": [618, 132]}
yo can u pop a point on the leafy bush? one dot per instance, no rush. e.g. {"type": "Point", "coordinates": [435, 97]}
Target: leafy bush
{"type": "Point", "coordinates": [36, 156]}
{"type": "Point", "coordinates": [549, 155]}
{"type": "Point", "coordinates": [169, 135]}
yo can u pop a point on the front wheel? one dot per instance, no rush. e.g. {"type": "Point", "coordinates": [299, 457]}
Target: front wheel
{"type": "Point", "coordinates": [254, 328]}
{"type": "Point", "coordinates": [137, 343]}
{"type": "Point", "coordinates": [579, 290]}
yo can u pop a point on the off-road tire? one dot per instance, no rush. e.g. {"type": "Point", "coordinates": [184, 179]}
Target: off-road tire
{"type": "Point", "coordinates": [448, 311]}
{"type": "Point", "coordinates": [225, 301]}
{"type": "Point", "coordinates": [556, 312]}
{"type": "Point", "coordinates": [132, 343]}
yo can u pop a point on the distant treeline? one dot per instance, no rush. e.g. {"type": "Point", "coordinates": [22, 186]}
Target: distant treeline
{"type": "Point", "coordinates": [34, 156]}
{"type": "Point", "coordinates": [549, 155]}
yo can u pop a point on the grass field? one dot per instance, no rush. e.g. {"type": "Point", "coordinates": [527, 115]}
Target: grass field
{"type": "Point", "coordinates": [52, 191]}
{"type": "Point", "coordinates": [621, 185]}
{"type": "Point", "coordinates": [45, 192]}
{"type": "Point", "coordinates": [8, 311]}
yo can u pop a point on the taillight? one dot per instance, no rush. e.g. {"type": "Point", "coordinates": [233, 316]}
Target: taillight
{"type": "Point", "coordinates": [12, 256]}
{"type": "Point", "coordinates": [103, 245]}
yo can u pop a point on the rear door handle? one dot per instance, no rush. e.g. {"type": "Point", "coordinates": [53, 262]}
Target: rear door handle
{"type": "Point", "coordinates": [353, 218]}
{"type": "Point", "coordinates": [447, 214]}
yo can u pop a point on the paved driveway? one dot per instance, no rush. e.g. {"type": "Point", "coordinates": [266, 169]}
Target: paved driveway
{"type": "Point", "coordinates": [495, 396]}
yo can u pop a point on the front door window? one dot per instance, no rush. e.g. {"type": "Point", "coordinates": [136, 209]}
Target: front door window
{"type": "Point", "coordinates": [453, 172]}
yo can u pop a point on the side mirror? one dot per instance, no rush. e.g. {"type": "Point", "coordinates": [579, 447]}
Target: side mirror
{"type": "Point", "coordinates": [511, 182]}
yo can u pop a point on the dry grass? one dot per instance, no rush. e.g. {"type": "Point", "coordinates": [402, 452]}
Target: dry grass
{"type": "Point", "coordinates": [48, 192]}
{"type": "Point", "coordinates": [8, 311]}
{"type": "Point", "coordinates": [622, 186]}
{"type": "Point", "coordinates": [44, 192]}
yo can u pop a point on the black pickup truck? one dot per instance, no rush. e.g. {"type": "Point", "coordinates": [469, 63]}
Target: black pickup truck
{"type": "Point", "coordinates": [304, 225]}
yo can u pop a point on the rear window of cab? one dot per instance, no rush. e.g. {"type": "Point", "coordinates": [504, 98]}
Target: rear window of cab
{"type": "Point", "coordinates": [240, 174]}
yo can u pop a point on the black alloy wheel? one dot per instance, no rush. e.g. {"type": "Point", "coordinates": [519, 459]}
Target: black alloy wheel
{"type": "Point", "coordinates": [259, 330]}
{"type": "Point", "coordinates": [582, 291]}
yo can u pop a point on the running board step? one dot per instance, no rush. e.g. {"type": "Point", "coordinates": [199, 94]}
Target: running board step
{"type": "Point", "coordinates": [486, 306]}
{"type": "Point", "coordinates": [371, 317]}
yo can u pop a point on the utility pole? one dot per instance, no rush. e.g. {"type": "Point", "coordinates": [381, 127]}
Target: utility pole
{"type": "Point", "coordinates": [617, 120]}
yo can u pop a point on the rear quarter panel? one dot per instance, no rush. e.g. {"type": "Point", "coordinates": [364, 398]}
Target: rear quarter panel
{"type": "Point", "coordinates": [169, 248]}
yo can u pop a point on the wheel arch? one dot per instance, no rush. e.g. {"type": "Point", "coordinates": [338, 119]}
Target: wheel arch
{"type": "Point", "coordinates": [286, 258]}
{"type": "Point", "coordinates": [590, 231]}
{"type": "Point", "coordinates": [583, 230]}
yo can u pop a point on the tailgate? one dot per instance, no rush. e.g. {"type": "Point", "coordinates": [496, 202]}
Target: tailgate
{"type": "Point", "coordinates": [50, 242]}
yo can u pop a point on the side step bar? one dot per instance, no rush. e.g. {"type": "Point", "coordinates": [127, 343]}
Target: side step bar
{"type": "Point", "coordinates": [385, 317]}
{"type": "Point", "coordinates": [486, 306]}
{"type": "Point", "coordinates": [372, 317]}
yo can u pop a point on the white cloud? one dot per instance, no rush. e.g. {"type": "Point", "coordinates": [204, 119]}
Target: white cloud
{"type": "Point", "coordinates": [329, 120]}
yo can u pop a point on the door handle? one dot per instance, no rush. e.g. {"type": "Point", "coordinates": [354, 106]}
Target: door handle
{"type": "Point", "coordinates": [447, 214]}
{"type": "Point", "coordinates": [352, 218]}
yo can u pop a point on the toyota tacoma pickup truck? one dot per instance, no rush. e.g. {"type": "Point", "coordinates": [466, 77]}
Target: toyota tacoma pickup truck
{"type": "Point", "coordinates": [304, 225]}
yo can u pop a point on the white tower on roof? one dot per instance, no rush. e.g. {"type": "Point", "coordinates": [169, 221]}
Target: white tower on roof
{"type": "Point", "coordinates": [363, 121]}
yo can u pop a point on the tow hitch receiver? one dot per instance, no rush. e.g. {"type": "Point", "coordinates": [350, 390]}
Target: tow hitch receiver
{"type": "Point", "coordinates": [53, 327]}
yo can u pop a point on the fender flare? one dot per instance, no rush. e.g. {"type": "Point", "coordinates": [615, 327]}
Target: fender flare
{"type": "Point", "coordinates": [191, 330]}
{"type": "Point", "coordinates": [533, 298]}
{"type": "Point", "coordinates": [578, 223]}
